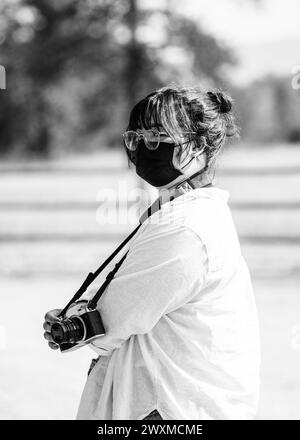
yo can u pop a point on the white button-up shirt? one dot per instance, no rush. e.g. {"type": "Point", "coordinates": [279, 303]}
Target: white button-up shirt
{"type": "Point", "coordinates": [180, 319]}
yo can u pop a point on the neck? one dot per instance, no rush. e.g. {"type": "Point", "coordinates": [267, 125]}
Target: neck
{"type": "Point", "coordinates": [190, 183]}
{"type": "Point", "coordinates": [168, 194]}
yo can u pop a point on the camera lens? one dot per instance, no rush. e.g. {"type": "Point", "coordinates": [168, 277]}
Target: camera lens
{"type": "Point", "coordinates": [70, 330]}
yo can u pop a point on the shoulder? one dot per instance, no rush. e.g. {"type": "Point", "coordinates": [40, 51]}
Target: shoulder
{"type": "Point", "coordinates": [211, 220]}
{"type": "Point", "coordinates": [166, 238]}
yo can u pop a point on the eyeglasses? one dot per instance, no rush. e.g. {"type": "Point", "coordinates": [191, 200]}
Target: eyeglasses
{"type": "Point", "coordinates": [151, 138]}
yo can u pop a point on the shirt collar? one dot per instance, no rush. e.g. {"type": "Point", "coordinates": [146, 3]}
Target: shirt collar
{"type": "Point", "coordinates": [209, 192]}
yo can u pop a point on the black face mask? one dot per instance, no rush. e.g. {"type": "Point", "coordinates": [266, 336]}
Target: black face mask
{"type": "Point", "coordinates": [156, 166]}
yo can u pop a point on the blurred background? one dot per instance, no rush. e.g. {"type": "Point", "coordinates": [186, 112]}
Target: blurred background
{"type": "Point", "coordinates": [73, 69]}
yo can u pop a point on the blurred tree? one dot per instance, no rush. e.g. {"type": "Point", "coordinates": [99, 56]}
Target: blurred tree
{"type": "Point", "coordinates": [40, 40]}
{"type": "Point", "coordinates": [79, 65]}
{"type": "Point", "coordinates": [269, 111]}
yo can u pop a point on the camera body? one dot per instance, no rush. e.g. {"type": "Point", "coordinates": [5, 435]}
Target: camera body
{"type": "Point", "coordinates": [79, 327]}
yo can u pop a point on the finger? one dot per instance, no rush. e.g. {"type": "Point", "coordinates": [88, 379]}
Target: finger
{"type": "Point", "coordinates": [51, 316]}
{"type": "Point", "coordinates": [47, 326]}
{"type": "Point", "coordinates": [53, 346]}
{"type": "Point", "coordinates": [166, 139]}
{"type": "Point", "coordinates": [48, 336]}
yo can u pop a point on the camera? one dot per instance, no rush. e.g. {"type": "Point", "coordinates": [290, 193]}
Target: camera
{"type": "Point", "coordinates": [77, 329]}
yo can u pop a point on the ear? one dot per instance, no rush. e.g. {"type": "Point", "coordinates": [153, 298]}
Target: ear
{"type": "Point", "coordinates": [195, 151]}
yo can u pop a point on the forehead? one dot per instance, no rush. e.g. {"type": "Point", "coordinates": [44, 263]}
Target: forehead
{"type": "Point", "coordinates": [159, 127]}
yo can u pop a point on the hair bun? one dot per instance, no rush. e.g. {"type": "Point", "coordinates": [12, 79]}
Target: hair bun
{"type": "Point", "coordinates": [222, 101]}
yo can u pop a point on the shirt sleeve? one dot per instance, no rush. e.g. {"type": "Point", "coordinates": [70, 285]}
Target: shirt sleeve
{"type": "Point", "coordinates": [162, 271]}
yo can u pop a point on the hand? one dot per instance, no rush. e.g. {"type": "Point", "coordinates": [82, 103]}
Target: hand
{"type": "Point", "coordinates": [50, 318]}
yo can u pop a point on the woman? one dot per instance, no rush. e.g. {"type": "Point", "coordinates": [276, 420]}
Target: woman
{"type": "Point", "coordinates": [181, 336]}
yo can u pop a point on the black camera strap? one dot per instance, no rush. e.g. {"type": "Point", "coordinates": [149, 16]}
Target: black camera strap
{"type": "Point", "coordinates": [93, 275]}
{"type": "Point", "coordinates": [92, 304]}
